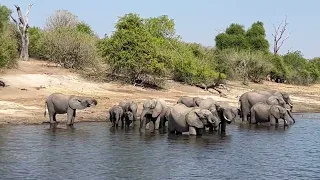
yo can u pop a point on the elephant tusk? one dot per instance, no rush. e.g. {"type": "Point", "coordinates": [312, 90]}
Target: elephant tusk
{"type": "Point", "coordinates": [226, 118]}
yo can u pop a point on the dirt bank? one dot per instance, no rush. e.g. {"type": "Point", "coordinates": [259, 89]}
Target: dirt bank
{"type": "Point", "coordinates": [23, 100]}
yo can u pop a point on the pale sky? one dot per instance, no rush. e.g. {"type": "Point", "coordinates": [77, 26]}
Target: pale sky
{"type": "Point", "coordinates": [196, 21]}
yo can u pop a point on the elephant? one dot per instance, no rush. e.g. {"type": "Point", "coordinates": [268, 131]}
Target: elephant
{"type": "Point", "coordinates": [206, 103]}
{"type": "Point", "coordinates": [248, 99]}
{"type": "Point", "coordinates": [190, 101]}
{"type": "Point", "coordinates": [226, 113]}
{"type": "Point", "coordinates": [153, 110]}
{"type": "Point", "coordinates": [129, 106]}
{"type": "Point", "coordinates": [263, 112]}
{"type": "Point", "coordinates": [58, 103]}
{"type": "Point", "coordinates": [116, 114]}
{"type": "Point", "coordinates": [189, 119]}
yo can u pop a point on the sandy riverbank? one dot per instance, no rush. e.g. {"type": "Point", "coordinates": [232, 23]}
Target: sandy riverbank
{"type": "Point", "coordinates": [29, 85]}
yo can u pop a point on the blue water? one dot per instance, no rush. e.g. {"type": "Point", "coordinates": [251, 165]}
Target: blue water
{"type": "Point", "coordinates": [96, 151]}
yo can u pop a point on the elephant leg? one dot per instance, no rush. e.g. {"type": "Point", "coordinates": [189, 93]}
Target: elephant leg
{"type": "Point", "coordinates": [272, 120]}
{"type": "Point", "coordinates": [52, 117]}
{"type": "Point", "coordinates": [73, 116]}
{"type": "Point", "coordinates": [70, 113]}
{"type": "Point", "coordinates": [143, 123]}
{"type": "Point", "coordinates": [157, 123]}
{"type": "Point", "coordinates": [199, 131]}
{"type": "Point", "coordinates": [253, 117]}
{"type": "Point", "coordinates": [192, 130]}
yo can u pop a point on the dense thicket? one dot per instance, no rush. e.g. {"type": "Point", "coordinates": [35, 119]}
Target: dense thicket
{"type": "Point", "coordinates": [8, 42]}
{"type": "Point", "coordinates": [148, 49]}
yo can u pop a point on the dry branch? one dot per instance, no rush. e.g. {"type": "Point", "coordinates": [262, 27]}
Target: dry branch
{"type": "Point", "coordinates": [278, 38]}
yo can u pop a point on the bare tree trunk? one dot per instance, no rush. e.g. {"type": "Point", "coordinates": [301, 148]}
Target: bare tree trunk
{"type": "Point", "coordinates": [278, 38]}
{"type": "Point", "coordinates": [22, 27]}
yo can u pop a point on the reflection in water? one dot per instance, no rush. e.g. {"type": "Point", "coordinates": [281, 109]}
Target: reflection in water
{"type": "Point", "coordinates": [98, 151]}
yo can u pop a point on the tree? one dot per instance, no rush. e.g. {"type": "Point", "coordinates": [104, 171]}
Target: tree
{"type": "Point", "coordinates": [4, 16]}
{"type": "Point", "coordinates": [23, 26]}
{"type": "Point", "coordinates": [234, 37]}
{"type": "Point", "coordinates": [256, 36]}
{"type": "Point", "coordinates": [130, 50]}
{"type": "Point", "coordinates": [61, 18]}
{"type": "Point", "coordinates": [84, 28]}
{"type": "Point", "coordinates": [278, 36]}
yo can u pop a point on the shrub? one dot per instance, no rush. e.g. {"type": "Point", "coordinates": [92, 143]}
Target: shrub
{"type": "Point", "coordinates": [36, 43]}
{"type": "Point", "coordinates": [8, 49]}
{"type": "Point", "coordinates": [245, 65]}
{"type": "Point", "coordinates": [70, 48]}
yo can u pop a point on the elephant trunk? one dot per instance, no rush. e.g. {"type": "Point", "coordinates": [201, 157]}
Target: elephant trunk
{"type": "Point", "coordinates": [290, 114]}
{"type": "Point", "coordinates": [142, 119]}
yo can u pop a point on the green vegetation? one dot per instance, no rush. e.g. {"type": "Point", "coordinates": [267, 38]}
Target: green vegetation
{"type": "Point", "coordinates": [148, 49]}
{"type": "Point", "coordinates": [8, 42]}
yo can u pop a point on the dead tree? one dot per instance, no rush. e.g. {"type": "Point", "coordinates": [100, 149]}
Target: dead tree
{"type": "Point", "coordinates": [22, 27]}
{"type": "Point", "coordinates": [278, 37]}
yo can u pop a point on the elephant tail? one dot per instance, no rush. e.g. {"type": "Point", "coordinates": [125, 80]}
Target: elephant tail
{"type": "Point", "coordinates": [45, 109]}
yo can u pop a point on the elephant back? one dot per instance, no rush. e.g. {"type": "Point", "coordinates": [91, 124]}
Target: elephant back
{"type": "Point", "coordinates": [206, 103]}
{"type": "Point", "coordinates": [178, 117]}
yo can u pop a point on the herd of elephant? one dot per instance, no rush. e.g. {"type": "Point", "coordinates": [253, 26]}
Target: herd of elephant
{"type": "Point", "coordinates": [190, 115]}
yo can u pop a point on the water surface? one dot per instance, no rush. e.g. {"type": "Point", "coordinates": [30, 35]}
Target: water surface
{"type": "Point", "coordinates": [97, 151]}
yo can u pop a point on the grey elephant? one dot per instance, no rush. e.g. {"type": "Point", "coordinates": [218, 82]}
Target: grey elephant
{"type": "Point", "coordinates": [116, 115]}
{"type": "Point", "coordinates": [206, 103]}
{"type": "Point", "coordinates": [130, 106]}
{"type": "Point", "coordinates": [58, 103]}
{"type": "Point", "coordinates": [190, 101]}
{"type": "Point", "coordinates": [226, 113]}
{"type": "Point", "coordinates": [248, 99]}
{"type": "Point", "coordinates": [263, 112]}
{"type": "Point", "coordinates": [153, 110]}
{"type": "Point", "coordinates": [189, 119]}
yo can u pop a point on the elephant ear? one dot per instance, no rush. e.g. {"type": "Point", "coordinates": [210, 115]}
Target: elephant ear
{"type": "Point", "coordinates": [157, 109]}
{"type": "Point", "coordinates": [275, 111]}
{"type": "Point", "coordinates": [193, 119]}
{"type": "Point", "coordinates": [75, 103]}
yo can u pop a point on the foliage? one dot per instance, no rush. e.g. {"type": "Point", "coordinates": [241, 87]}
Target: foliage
{"type": "Point", "coordinates": [61, 19]}
{"type": "Point", "coordinates": [130, 49]}
{"type": "Point", "coordinates": [36, 43]}
{"type": "Point", "coordinates": [246, 65]}
{"type": "Point", "coordinates": [236, 37]}
{"type": "Point", "coordinates": [8, 42]}
{"type": "Point", "coordinates": [85, 28]}
{"type": "Point", "coordinates": [70, 48]}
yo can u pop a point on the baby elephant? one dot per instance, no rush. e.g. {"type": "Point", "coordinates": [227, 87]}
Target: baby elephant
{"type": "Point", "coordinates": [263, 112]}
{"type": "Point", "coordinates": [58, 103]}
{"type": "Point", "coordinates": [118, 114]}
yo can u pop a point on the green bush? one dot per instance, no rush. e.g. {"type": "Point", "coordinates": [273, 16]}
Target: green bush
{"type": "Point", "coordinates": [70, 48]}
{"type": "Point", "coordinates": [8, 41]}
{"type": "Point", "coordinates": [8, 49]}
{"type": "Point", "coordinates": [243, 65]}
{"type": "Point", "coordinates": [36, 43]}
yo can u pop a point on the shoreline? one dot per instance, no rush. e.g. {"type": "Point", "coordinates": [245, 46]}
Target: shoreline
{"type": "Point", "coordinates": [22, 102]}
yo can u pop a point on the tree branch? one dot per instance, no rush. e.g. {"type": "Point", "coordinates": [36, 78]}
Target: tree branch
{"type": "Point", "coordinates": [278, 39]}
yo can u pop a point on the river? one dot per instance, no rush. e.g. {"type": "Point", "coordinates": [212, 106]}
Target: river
{"type": "Point", "coordinates": [95, 151]}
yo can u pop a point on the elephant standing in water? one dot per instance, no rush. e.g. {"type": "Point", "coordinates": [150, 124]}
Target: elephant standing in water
{"type": "Point", "coordinates": [263, 112]}
{"type": "Point", "coordinates": [58, 103]}
{"type": "Point", "coordinates": [153, 110]}
{"type": "Point", "coordinates": [116, 114]}
{"type": "Point", "coordinates": [190, 101]}
{"type": "Point", "coordinates": [129, 106]}
{"type": "Point", "coordinates": [192, 120]}
{"type": "Point", "coordinates": [248, 99]}
{"type": "Point", "coordinates": [223, 110]}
